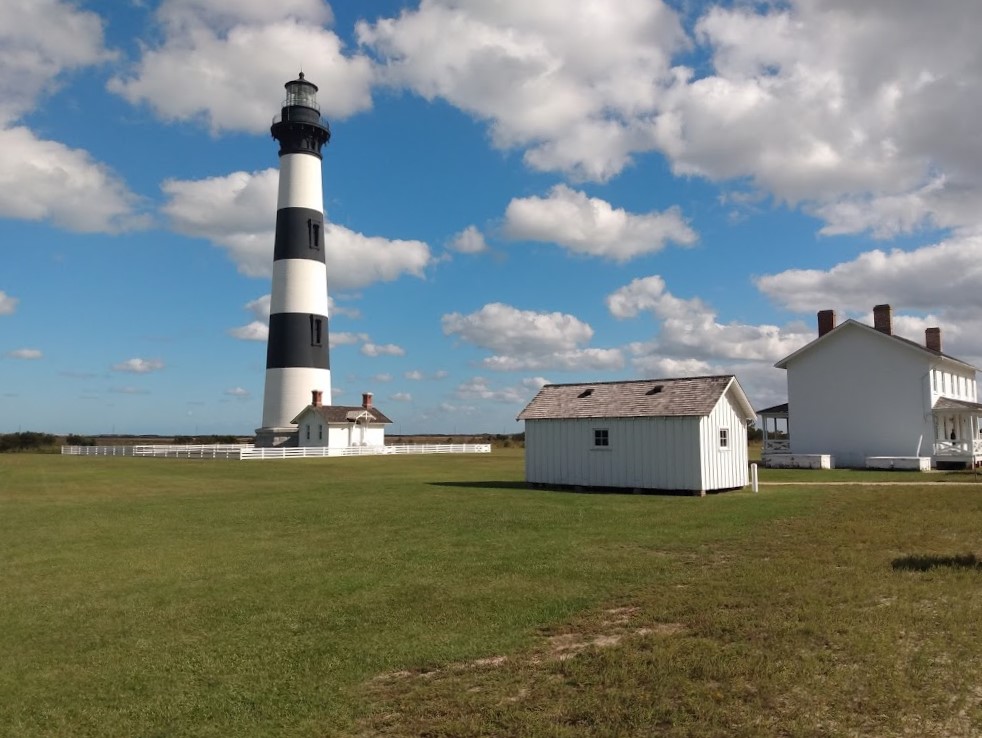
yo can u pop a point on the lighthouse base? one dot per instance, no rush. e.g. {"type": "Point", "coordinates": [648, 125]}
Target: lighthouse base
{"type": "Point", "coordinates": [287, 437]}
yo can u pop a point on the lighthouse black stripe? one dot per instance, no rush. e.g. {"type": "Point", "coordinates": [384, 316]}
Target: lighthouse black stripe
{"type": "Point", "coordinates": [297, 340]}
{"type": "Point", "coordinates": [299, 234]}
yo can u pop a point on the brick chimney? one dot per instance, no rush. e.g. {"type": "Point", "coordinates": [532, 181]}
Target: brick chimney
{"type": "Point", "coordinates": [826, 321]}
{"type": "Point", "coordinates": [315, 397]}
{"type": "Point", "coordinates": [932, 339]}
{"type": "Point", "coordinates": [366, 400]}
{"type": "Point", "coordinates": [883, 319]}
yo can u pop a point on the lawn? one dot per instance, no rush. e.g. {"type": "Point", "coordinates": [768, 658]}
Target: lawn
{"type": "Point", "coordinates": [436, 596]}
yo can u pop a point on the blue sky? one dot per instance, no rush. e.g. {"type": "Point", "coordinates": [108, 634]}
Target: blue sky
{"type": "Point", "coordinates": [518, 193]}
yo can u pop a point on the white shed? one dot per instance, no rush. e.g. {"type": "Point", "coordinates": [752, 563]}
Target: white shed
{"type": "Point", "coordinates": [686, 434]}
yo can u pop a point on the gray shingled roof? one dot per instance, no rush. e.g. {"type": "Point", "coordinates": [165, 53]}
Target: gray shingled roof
{"type": "Point", "coordinates": [949, 403]}
{"type": "Point", "coordinates": [685, 396]}
{"type": "Point", "coordinates": [339, 413]}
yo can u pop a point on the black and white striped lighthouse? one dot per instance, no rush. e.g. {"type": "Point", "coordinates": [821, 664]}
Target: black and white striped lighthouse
{"type": "Point", "coordinates": [297, 358]}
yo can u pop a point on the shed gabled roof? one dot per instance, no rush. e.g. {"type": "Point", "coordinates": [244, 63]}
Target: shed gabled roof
{"type": "Point", "coordinates": [684, 396]}
{"type": "Point", "coordinates": [340, 413]}
{"type": "Point", "coordinates": [851, 324]}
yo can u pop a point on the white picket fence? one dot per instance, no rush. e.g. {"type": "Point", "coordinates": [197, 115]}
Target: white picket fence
{"type": "Point", "coordinates": [242, 452]}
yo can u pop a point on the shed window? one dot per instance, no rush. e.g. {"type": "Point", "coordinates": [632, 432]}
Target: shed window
{"type": "Point", "coordinates": [308, 432]}
{"type": "Point", "coordinates": [320, 432]}
{"type": "Point", "coordinates": [601, 437]}
{"type": "Point", "coordinates": [724, 437]}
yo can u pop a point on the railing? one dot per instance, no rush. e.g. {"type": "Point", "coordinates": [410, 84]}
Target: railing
{"type": "Point", "coordinates": [199, 451]}
{"type": "Point", "coordinates": [322, 451]}
{"type": "Point", "coordinates": [241, 451]}
{"type": "Point", "coordinates": [777, 446]}
{"type": "Point", "coordinates": [958, 448]}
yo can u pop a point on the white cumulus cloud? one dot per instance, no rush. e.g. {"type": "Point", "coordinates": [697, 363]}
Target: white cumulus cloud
{"type": "Point", "coordinates": [568, 80]}
{"type": "Point", "coordinates": [385, 349]}
{"type": "Point", "coordinates": [139, 366]}
{"type": "Point", "coordinates": [244, 47]}
{"type": "Point", "coordinates": [469, 241]}
{"type": "Point", "coordinates": [589, 225]}
{"type": "Point", "coordinates": [8, 304]}
{"type": "Point", "coordinates": [688, 330]}
{"type": "Point", "coordinates": [46, 180]}
{"type": "Point", "coordinates": [39, 40]}
{"type": "Point", "coordinates": [528, 340]}
{"type": "Point", "coordinates": [238, 212]}
{"type": "Point", "coordinates": [28, 354]}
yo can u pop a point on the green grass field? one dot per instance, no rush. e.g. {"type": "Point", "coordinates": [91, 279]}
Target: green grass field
{"type": "Point", "coordinates": [436, 596]}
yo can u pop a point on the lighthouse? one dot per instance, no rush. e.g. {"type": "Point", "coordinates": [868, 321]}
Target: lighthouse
{"type": "Point", "coordinates": [297, 358]}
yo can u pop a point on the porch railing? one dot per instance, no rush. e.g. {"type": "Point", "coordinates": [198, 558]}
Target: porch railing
{"type": "Point", "coordinates": [777, 446]}
{"type": "Point", "coordinates": [958, 448]}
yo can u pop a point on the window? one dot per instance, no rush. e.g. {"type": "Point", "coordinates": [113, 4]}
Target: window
{"type": "Point", "coordinates": [316, 331]}
{"type": "Point", "coordinates": [308, 432]}
{"type": "Point", "coordinates": [320, 432]}
{"type": "Point", "coordinates": [585, 393]}
{"type": "Point", "coordinates": [655, 390]}
{"type": "Point", "coordinates": [601, 437]}
{"type": "Point", "coordinates": [313, 234]}
{"type": "Point", "coordinates": [724, 437]}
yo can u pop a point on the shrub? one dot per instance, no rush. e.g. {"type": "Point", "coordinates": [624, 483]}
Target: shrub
{"type": "Point", "coordinates": [26, 441]}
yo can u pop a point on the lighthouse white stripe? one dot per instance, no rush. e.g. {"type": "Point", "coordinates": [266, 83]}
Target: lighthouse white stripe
{"type": "Point", "coordinates": [300, 182]}
{"type": "Point", "coordinates": [288, 392]}
{"type": "Point", "coordinates": [299, 286]}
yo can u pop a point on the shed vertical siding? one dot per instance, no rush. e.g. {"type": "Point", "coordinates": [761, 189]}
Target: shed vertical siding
{"type": "Point", "coordinates": [724, 468]}
{"type": "Point", "coordinates": [649, 453]}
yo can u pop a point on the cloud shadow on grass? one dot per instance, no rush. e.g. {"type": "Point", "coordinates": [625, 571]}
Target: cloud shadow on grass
{"type": "Point", "coordinates": [927, 562]}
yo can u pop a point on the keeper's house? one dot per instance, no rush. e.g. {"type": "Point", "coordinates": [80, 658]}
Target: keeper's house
{"type": "Point", "coordinates": [686, 434]}
{"type": "Point", "coordinates": [340, 426]}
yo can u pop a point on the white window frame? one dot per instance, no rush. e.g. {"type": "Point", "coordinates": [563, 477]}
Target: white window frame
{"type": "Point", "coordinates": [724, 439]}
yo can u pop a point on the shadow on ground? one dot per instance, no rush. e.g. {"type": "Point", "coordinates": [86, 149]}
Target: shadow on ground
{"type": "Point", "coordinates": [926, 563]}
{"type": "Point", "coordinates": [570, 489]}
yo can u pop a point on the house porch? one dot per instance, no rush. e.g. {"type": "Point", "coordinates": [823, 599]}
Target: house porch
{"type": "Point", "coordinates": [957, 433]}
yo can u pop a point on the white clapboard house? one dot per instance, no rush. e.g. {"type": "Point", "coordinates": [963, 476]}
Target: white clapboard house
{"type": "Point", "coordinates": [686, 434]}
{"type": "Point", "coordinates": [866, 397]}
{"type": "Point", "coordinates": [340, 426]}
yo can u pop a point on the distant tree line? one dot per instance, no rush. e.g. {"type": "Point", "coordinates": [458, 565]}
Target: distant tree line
{"type": "Point", "coordinates": [204, 440]}
{"type": "Point", "coordinates": [26, 441]}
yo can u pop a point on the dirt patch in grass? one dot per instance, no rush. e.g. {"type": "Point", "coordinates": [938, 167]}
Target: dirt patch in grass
{"type": "Point", "coordinates": [810, 628]}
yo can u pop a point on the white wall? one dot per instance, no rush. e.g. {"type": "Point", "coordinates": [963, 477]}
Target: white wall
{"type": "Point", "coordinates": [650, 453]}
{"type": "Point", "coordinates": [287, 392]}
{"type": "Point", "coordinates": [300, 183]}
{"type": "Point", "coordinates": [859, 395]}
{"type": "Point", "coordinates": [337, 435]}
{"type": "Point", "coordinates": [724, 468]}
